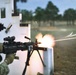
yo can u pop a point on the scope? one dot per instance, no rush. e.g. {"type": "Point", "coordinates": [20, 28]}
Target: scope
{"type": "Point", "coordinates": [9, 39]}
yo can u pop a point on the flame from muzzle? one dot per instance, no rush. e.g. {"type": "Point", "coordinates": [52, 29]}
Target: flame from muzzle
{"type": "Point", "coordinates": [39, 37]}
{"type": "Point", "coordinates": [46, 40]}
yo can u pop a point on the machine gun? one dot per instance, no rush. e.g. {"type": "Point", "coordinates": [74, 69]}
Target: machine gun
{"type": "Point", "coordinates": [10, 46]}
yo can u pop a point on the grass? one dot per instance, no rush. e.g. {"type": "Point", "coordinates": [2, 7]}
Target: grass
{"type": "Point", "coordinates": [64, 51]}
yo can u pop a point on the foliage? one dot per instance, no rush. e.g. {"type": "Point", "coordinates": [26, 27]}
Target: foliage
{"type": "Point", "coordinates": [39, 14]}
{"type": "Point", "coordinates": [70, 15]}
{"type": "Point", "coordinates": [26, 15]}
{"type": "Point", "coordinates": [49, 13]}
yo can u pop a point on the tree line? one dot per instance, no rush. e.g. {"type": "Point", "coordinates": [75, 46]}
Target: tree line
{"type": "Point", "coordinates": [50, 14]}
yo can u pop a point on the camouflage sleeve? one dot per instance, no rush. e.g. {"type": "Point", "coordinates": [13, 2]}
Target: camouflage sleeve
{"type": "Point", "coordinates": [4, 70]}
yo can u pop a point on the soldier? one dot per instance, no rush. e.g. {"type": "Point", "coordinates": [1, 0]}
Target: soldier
{"type": "Point", "coordinates": [4, 69]}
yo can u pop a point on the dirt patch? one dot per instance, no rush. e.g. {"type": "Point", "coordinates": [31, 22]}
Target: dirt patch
{"type": "Point", "coordinates": [65, 58]}
{"type": "Point", "coordinates": [64, 52]}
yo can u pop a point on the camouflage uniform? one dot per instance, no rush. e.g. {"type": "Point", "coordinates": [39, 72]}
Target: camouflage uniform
{"type": "Point", "coordinates": [4, 70]}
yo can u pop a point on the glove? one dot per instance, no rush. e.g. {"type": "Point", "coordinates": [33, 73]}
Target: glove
{"type": "Point", "coordinates": [9, 58]}
{"type": "Point", "coordinates": [4, 70]}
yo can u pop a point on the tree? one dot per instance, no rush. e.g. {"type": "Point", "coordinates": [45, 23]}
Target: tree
{"type": "Point", "coordinates": [69, 16]}
{"type": "Point", "coordinates": [39, 14]}
{"type": "Point", "coordinates": [59, 17]}
{"type": "Point", "coordinates": [51, 11]}
{"type": "Point", "coordinates": [26, 15]}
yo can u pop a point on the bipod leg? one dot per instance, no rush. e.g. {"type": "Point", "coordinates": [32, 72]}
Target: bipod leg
{"type": "Point", "coordinates": [41, 58]}
{"type": "Point", "coordinates": [31, 52]}
{"type": "Point", "coordinates": [27, 62]}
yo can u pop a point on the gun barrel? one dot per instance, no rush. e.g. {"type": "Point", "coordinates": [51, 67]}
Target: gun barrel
{"type": "Point", "coordinates": [40, 48]}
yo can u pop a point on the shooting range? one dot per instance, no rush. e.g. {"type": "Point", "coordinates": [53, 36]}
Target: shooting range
{"type": "Point", "coordinates": [14, 27]}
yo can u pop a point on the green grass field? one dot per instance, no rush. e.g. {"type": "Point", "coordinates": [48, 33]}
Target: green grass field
{"type": "Point", "coordinates": [64, 51]}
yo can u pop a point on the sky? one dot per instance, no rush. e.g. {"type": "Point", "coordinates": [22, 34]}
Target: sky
{"type": "Point", "coordinates": [61, 4]}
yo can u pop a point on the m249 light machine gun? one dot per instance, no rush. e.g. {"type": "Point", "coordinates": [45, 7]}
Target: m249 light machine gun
{"type": "Point", "coordinates": [10, 46]}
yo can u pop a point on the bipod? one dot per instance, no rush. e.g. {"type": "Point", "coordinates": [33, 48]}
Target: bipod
{"type": "Point", "coordinates": [36, 45]}
{"type": "Point", "coordinates": [31, 49]}
{"type": "Point", "coordinates": [39, 56]}
{"type": "Point", "coordinates": [27, 61]}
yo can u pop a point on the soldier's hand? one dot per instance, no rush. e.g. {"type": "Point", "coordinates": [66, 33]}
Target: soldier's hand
{"type": "Point", "coordinates": [9, 58]}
